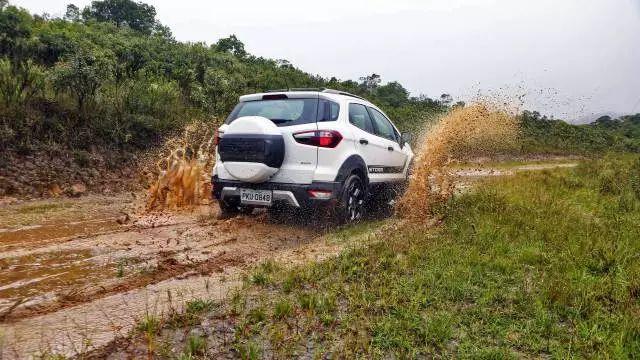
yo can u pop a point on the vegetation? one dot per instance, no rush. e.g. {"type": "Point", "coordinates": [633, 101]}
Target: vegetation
{"type": "Point", "coordinates": [537, 265]}
{"type": "Point", "coordinates": [111, 75]}
{"type": "Point", "coordinates": [544, 135]}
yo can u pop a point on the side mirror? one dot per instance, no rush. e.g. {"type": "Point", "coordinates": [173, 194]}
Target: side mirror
{"type": "Point", "coordinates": [405, 138]}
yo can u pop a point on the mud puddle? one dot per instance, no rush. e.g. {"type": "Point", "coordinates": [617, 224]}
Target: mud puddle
{"type": "Point", "coordinates": [32, 275]}
{"type": "Point", "coordinates": [37, 235]}
{"type": "Point", "coordinates": [511, 170]}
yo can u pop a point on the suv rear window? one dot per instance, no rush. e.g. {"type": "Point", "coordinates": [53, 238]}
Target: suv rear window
{"type": "Point", "coordinates": [287, 112]}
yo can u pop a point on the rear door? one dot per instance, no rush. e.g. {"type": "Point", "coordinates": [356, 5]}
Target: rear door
{"type": "Point", "coordinates": [292, 113]}
{"type": "Point", "coordinates": [394, 159]}
{"type": "Point", "coordinates": [372, 148]}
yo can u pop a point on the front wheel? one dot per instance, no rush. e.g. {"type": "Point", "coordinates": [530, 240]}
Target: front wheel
{"type": "Point", "coordinates": [350, 208]}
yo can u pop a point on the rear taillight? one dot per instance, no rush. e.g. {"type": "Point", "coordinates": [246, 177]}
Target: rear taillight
{"type": "Point", "coordinates": [321, 138]}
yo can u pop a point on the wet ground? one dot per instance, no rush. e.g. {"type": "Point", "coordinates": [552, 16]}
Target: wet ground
{"type": "Point", "coordinates": [57, 274]}
{"type": "Point", "coordinates": [77, 273]}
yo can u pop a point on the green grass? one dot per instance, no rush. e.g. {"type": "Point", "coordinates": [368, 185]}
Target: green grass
{"type": "Point", "coordinates": [149, 324]}
{"type": "Point", "coordinates": [198, 306]}
{"type": "Point", "coordinates": [191, 314]}
{"type": "Point", "coordinates": [541, 264]}
{"type": "Point", "coordinates": [196, 345]}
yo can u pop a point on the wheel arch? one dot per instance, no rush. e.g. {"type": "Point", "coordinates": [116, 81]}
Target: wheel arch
{"type": "Point", "coordinates": [354, 164]}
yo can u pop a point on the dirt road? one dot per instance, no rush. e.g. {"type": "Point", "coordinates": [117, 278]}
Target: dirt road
{"type": "Point", "coordinates": [68, 286]}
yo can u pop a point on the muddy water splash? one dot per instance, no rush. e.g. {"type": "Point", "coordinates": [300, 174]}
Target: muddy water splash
{"type": "Point", "coordinates": [181, 178]}
{"type": "Point", "coordinates": [480, 129]}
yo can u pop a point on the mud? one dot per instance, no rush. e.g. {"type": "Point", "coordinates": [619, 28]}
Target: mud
{"type": "Point", "coordinates": [480, 129]}
{"type": "Point", "coordinates": [58, 171]}
{"type": "Point", "coordinates": [181, 178]}
{"type": "Point", "coordinates": [466, 172]}
{"type": "Point", "coordinates": [56, 273]}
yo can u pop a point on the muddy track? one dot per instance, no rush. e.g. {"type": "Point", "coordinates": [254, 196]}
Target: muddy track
{"type": "Point", "coordinates": [167, 268]}
{"type": "Point", "coordinates": [54, 272]}
{"type": "Point", "coordinates": [97, 323]}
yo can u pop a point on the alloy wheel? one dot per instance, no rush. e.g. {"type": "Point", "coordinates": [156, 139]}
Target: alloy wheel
{"type": "Point", "coordinates": [355, 201]}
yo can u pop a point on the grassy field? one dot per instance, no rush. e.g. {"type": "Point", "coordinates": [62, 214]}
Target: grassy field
{"type": "Point", "coordinates": [536, 265]}
{"type": "Point", "coordinates": [540, 264]}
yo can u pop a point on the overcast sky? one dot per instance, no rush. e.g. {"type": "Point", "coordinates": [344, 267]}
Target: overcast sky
{"type": "Point", "coordinates": [571, 58]}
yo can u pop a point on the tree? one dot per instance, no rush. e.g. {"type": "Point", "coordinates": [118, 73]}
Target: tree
{"type": "Point", "coordinates": [138, 16]}
{"type": "Point", "coordinates": [370, 83]}
{"type": "Point", "coordinates": [15, 31]}
{"type": "Point", "coordinates": [605, 121]}
{"type": "Point", "coordinates": [284, 63]}
{"type": "Point", "coordinates": [231, 45]}
{"type": "Point", "coordinates": [82, 75]}
{"type": "Point", "coordinates": [72, 13]}
{"type": "Point", "coordinates": [19, 83]}
{"type": "Point", "coordinates": [393, 94]}
{"type": "Point", "coordinates": [446, 99]}
{"type": "Point", "coordinates": [459, 104]}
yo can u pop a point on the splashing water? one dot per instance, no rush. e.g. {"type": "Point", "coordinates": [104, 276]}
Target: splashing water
{"type": "Point", "coordinates": [180, 179]}
{"type": "Point", "coordinates": [479, 129]}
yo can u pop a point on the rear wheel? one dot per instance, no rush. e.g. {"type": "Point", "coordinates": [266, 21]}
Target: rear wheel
{"type": "Point", "coordinates": [246, 209]}
{"type": "Point", "coordinates": [350, 208]}
{"type": "Point", "coordinates": [227, 210]}
{"type": "Point", "coordinates": [280, 214]}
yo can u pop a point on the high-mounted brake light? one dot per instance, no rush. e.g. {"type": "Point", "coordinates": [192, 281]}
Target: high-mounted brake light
{"type": "Point", "coordinates": [320, 138]}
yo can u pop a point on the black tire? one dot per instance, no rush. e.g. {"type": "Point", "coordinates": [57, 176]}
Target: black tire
{"type": "Point", "coordinates": [246, 209]}
{"type": "Point", "coordinates": [350, 208]}
{"type": "Point", "coordinates": [227, 210]}
{"type": "Point", "coordinates": [278, 213]}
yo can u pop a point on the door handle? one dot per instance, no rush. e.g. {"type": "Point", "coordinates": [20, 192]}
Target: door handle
{"type": "Point", "coordinates": [364, 141]}
{"type": "Point", "coordinates": [390, 148]}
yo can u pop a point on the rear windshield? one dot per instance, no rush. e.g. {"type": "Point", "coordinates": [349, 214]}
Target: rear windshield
{"type": "Point", "coordinates": [287, 112]}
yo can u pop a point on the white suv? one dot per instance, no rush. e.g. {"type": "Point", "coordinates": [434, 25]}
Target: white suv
{"type": "Point", "coordinates": [304, 148]}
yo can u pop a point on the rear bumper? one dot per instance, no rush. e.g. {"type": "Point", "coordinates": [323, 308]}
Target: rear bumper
{"type": "Point", "coordinates": [296, 195]}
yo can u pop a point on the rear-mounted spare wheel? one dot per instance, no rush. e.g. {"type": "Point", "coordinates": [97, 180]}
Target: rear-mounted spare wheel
{"type": "Point", "coordinates": [252, 149]}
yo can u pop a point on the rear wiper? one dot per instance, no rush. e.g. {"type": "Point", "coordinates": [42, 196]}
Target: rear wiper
{"type": "Point", "coordinates": [279, 121]}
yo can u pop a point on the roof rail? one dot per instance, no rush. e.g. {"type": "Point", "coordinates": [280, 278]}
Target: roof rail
{"type": "Point", "coordinates": [306, 89]}
{"type": "Point", "coordinates": [324, 90]}
{"type": "Point", "coordinates": [295, 89]}
{"type": "Point", "coordinates": [338, 92]}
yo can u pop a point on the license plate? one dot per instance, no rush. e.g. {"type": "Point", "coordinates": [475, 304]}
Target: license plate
{"type": "Point", "coordinates": [256, 197]}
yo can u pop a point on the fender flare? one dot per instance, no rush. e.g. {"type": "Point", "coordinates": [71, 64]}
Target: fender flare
{"type": "Point", "coordinates": [351, 164]}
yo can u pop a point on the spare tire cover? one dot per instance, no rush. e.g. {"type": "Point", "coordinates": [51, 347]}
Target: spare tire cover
{"type": "Point", "coordinates": [252, 149]}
